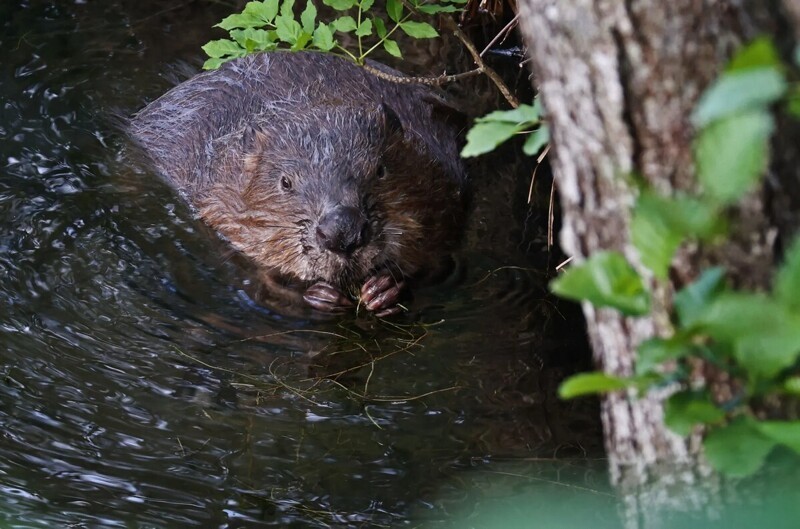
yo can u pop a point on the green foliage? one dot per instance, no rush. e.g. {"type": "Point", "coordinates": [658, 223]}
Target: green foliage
{"type": "Point", "coordinates": [692, 300]}
{"type": "Point", "coordinates": [265, 25]}
{"type": "Point", "coordinates": [654, 352]}
{"type": "Point", "coordinates": [758, 53]}
{"type": "Point", "coordinates": [536, 140]}
{"type": "Point", "coordinates": [660, 224]}
{"type": "Point", "coordinates": [731, 154]}
{"type": "Point", "coordinates": [786, 433]}
{"type": "Point", "coordinates": [738, 448]}
{"type": "Point", "coordinates": [495, 128]}
{"type": "Point", "coordinates": [590, 383]}
{"type": "Point", "coordinates": [685, 409]}
{"type": "Point", "coordinates": [739, 91]}
{"type": "Point", "coordinates": [787, 282]}
{"type": "Point", "coordinates": [754, 338]}
{"type": "Point", "coordinates": [606, 280]}
{"type": "Point", "coordinates": [791, 386]}
{"type": "Point", "coordinates": [762, 335]}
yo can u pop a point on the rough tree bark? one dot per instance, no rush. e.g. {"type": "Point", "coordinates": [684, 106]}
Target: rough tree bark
{"type": "Point", "coordinates": [619, 80]}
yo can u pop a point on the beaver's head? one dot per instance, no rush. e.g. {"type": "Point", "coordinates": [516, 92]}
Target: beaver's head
{"type": "Point", "coordinates": [332, 193]}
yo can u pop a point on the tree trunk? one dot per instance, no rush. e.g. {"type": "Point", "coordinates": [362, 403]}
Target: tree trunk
{"type": "Point", "coordinates": [619, 80]}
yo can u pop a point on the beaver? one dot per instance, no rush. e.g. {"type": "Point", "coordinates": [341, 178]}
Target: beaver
{"type": "Point", "coordinates": [324, 176]}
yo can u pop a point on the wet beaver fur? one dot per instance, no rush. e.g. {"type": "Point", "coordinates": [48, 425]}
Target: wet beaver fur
{"type": "Point", "coordinates": [321, 174]}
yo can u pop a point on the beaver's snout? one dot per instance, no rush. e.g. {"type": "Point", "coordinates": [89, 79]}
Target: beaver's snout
{"type": "Point", "coordinates": [342, 230]}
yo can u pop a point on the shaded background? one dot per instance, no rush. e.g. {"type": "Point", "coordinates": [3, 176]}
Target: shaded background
{"type": "Point", "coordinates": [142, 388]}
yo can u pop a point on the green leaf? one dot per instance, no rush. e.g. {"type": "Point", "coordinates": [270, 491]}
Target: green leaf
{"type": "Point", "coordinates": [308, 17]}
{"type": "Point", "coordinates": [303, 39]}
{"type": "Point", "coordinates": [654, 239]}
{"type": "Point", "coordinates": [590, 383]}
{"type": "Point", "coordinates": [692, 301]}
{"type": "Point", "coordinates": [661, 224]}
{"type": "Point", "coordinates": [252, 39]}
{"type": "Point", "coordinates": [732, 153]}
{"type": "Point", "coordinates": [365, 29]}
{"type": "Point", "coordinates": [287, 9]}
{"type": "Point", "coordinates": [787, 283]}
{"type": "Point", "coordinates": [792, 385]}
{"type": "Point", "coordinates": [288, 29]}
{"type": "Point", "coordinates": [536, 140]}
{"type": "Point", "coordinates": [392, 48]}
{"type": "Point", "coordinates": [524, 114]}
{"type": "Point", "coordinates": [219, 48]}
{"type": "Point", "coordinates": [394, 8]}
{"type": "Point", "coordinates": [738, 449]}
{"type": "Point", "coordinates": [758, 53]}
{"type": "Point", "coordinates": [419, 30]}
{"type": "Point", "coordinates": [793, 103]}
{"type": "Point", "coordinates": [340, 5]}
{"type": "Point", "coordinates": [605, 280]}
{"type": "Point", "coordinates": [240, 36]}
{"type": "Point", "coordinates": [687, 215]}
{"type": "Point", "coordinates": [239, 20]}
{"type": "Point", "coordinates": [485, 137]}
{"type": "Point", "coordinates": [655, 351]}
{"type": "Point", "coordinates": [764, 334]}
{"type": "Point", "coordinates": [214, 63]}
{"type": "Point", "coordinates": [380, 26]}
{"type": "Point", "coordinates": [265, 11]}
{"type": "Point", "coordinates": [323, 38]}
{"type": "Point", "coordinates": [741, 90]}
{"type": "Point", "coordinates": [366, 4]}
{"type": "Point", "coordinates": [432, 9]}
{"type": "Point", "coordinates": [344, 24]}
{"type": "Point", "coordinates": [686, 409]}
{"type": "Point", "coordinates": [786, 433]}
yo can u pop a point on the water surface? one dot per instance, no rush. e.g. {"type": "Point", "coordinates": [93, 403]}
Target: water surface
{"type": "Point", "coordinates": [141, 387]}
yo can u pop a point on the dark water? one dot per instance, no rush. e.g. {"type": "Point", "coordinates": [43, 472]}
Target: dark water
{"type": "Point", "coordinates": [142, 389]}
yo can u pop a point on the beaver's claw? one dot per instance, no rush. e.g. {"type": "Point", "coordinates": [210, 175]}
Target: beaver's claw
{"type": "Point", "coordinates": [380, 294]}
{"type": "Point", "coordinates": [325, 297]}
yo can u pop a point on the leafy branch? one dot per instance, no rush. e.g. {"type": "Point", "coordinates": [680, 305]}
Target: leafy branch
{"type": "Point", "coordinates": [495, 128]}
{"type": "Point", "coordinates": [266, 25]}
{"type": "Point", "coordinates": [751, 338]}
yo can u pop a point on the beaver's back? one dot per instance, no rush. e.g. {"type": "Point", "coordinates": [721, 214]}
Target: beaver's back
{"type": "Point", "coordinates": [177, 130]}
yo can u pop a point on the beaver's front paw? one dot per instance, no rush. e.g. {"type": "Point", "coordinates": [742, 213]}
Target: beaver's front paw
{"type": "Point", "coordinates": [381, 293]}
{"type": "Point", "coordinates": [325, 297]}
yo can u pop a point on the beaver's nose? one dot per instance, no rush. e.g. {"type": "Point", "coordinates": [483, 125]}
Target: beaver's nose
{"type": "Point", "coordinates": [342, 230]}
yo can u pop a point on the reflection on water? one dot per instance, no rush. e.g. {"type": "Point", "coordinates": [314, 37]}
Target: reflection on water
{"type": "Point", "coordinates": [141, 388]}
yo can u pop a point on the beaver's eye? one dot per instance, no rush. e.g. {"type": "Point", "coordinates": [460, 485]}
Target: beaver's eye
{"type": "Point", "coordinates": [380, 172]}
{"type": "Point", "coordinates": [286, 184]}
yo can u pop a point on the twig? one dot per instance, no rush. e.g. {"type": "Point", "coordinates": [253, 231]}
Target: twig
{"type": "Point", "coordinates": [563, 264]}
{"type": "Point", "coordinates": [500, 34]}
{"type": "Point", "coordinates": [451, 25]}
{"type": "Point", "coordinates": [550, 216]}
{"type": "Point", "coordinates": [533, 179]}
{"type": "Point", "coordinates": [533, 176]}
{"type": "Point", "coordinates": [490, 73]}
{"type": "Point", "coordinates": [433, 81]}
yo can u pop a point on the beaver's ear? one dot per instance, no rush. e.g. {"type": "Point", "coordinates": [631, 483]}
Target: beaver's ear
{"type": "Point", "coordinates": [448, 111]}
{"type": "Point", "coordinates": [394, 127]}
{"type": "Point", "coordinates": [253, 141]}
{"type": "Point", "coordinates": [253, 138]}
